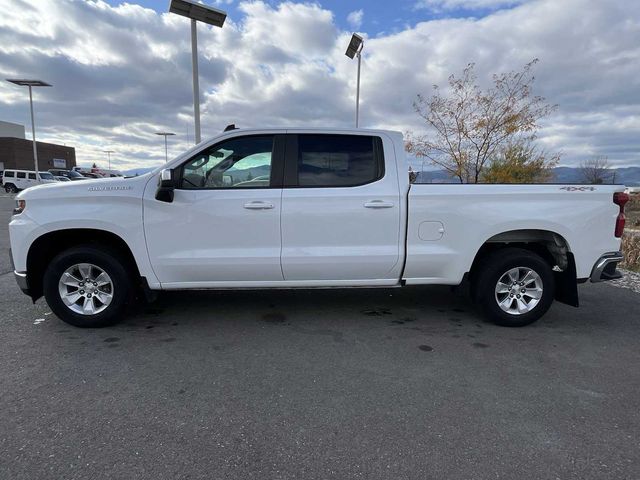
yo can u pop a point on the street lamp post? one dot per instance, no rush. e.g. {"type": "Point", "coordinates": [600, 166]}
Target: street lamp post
{"type": "Point", "coordinates": [197, 12]}
{"type": "Point", "coordinates": [166, 151]}
{"type": "Point", "coordinates": [109, 152]}
{"type": "Point", "coordinates": [31, 84]}
{"type": "Point", "coordinates": [355, 49]}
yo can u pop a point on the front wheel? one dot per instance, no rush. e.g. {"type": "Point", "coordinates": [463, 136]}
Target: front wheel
{"type": "Point", "coordinates": [515, 287]}
{"type": "Point", "coordinates": [87, 286]}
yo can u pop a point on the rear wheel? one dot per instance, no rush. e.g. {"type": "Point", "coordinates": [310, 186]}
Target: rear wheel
{"type": "Point", "coordinates": [10, 188]}
{"type": "Point", "coordinates": [87, 286]}
{"type": "Point", "coordinates": [515, 287]}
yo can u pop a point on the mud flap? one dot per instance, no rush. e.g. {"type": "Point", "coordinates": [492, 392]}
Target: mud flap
{"type": "Point", "coordinates": [150, 296]}
{"type": "Point", "coordinates": [567, 283]}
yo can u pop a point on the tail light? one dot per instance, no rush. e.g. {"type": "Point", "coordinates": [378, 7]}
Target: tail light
{"type": "Point", "coordinates": [620, 199]}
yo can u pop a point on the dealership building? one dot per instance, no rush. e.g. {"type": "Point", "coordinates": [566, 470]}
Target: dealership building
{"type": "Point", "coordinates": [16, 152]}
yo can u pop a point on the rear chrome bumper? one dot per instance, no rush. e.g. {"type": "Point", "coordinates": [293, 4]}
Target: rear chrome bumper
{"type": "Point", "coordinates": [605, 268]}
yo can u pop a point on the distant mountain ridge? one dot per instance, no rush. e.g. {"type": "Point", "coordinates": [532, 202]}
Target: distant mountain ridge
{"type": "Point", "coordinates": [134, 172]}
{"type": "Point", "coordinates": [629, 176]}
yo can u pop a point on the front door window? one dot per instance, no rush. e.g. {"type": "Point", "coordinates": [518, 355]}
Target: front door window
{"type": "Point", "coordinates": [243, 162]}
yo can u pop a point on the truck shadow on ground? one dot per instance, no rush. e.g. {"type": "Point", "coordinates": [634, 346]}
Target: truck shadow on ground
{"type": "Point", "coordinates": [341, 317]}
{"type": "Point", "coordinates": [421, 316]}
{"type": "Point", "coordinates": [275, 307]}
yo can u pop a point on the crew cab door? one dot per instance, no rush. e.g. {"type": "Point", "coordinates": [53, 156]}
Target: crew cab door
{"type": "Point", "coordinates": [340, 211]}
{"type": "Point", "coordinates": [222, 228]}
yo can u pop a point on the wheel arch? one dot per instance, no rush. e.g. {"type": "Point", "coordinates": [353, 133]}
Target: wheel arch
{"type": "Point", "coordinates": [44, 248]}
{"type": "Point", "coordinates": [551, 246]}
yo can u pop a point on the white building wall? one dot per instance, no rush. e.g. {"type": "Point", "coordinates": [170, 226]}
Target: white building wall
{"type": "Point", "coordinates": [13, 130]}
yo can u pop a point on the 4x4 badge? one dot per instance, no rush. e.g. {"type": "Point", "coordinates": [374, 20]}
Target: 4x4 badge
{"type": "Point", "coordinates": [578, 189]}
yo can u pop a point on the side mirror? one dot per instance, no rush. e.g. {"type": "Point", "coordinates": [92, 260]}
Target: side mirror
{"type": "Point", "coordinates": [166, 186]}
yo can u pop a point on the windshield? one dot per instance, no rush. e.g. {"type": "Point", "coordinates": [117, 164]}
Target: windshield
{"type": "Point", "coordinates": [74, 174]}
{"type": "Point", "coordinates": [46, 176]}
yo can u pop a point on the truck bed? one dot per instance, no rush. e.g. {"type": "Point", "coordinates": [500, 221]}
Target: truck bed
{"type": "Point", "coordinates": [448, 223]}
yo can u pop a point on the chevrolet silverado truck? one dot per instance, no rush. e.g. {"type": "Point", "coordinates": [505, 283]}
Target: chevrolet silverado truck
{"type": "Point", "coordinates": [309, 208]}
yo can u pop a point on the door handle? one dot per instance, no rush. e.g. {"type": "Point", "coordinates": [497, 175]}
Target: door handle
{"type": "Point", "coordinates": [378, 204]}
{"type": "Point", "coordinates": [258, 205]}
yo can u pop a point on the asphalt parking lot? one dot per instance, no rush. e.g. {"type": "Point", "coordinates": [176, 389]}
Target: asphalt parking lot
{"type": "Point", "coordinates": [365, 383]}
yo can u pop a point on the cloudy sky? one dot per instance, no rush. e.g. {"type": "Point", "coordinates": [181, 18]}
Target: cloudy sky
{"type": "Point", "coordinates": [122, 71]}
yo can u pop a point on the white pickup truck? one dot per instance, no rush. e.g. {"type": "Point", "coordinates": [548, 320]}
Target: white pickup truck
{"type": "Point", "coordinates": [305, 208]}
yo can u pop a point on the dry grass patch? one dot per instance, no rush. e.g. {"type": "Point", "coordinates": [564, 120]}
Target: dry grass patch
{"type": "Point", "coordinates": [631, 251]}
{"type": "Point", "coordinates": [632, 212]}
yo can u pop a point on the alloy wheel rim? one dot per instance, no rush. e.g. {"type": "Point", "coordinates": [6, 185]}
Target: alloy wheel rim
{"type": "Point", "coordinates": [85, 289]}
{"type": "Point", "coordinates": [519, 290]}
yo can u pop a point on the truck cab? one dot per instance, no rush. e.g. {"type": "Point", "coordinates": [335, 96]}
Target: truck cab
{"type": "Point", "coordinates": [332, 214]}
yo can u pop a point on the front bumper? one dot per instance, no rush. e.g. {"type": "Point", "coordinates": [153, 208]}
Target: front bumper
{"type": "Point", "coordinates": [605, 268]}
{"type": "Point", "coordinates": [21, 277]}
{"type": "Point", "coordinates": [21, 280]}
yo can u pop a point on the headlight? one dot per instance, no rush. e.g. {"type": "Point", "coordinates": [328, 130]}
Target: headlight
{"type": "Point", "coordinates": [20, 206]}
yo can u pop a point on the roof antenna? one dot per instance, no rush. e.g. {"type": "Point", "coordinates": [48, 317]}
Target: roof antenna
{"type": "Point", "coordinates": [231, 126]}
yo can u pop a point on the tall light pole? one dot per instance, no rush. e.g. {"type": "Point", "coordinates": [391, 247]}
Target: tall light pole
{"type": "Point", "coordinates": [31, 84]}
{"type": "Point", "coordinates": [109, 152]}
{"type": "Point", "coordinates": [166, 151]}
{"type": "Point", "coordinates": [197, 12]}
{"type": "Point", "coordinates": [355, 49]}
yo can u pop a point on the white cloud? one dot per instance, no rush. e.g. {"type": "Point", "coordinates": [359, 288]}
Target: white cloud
{"type": "Point", "coordinates": [122, 73]}
{"type": "Point", "coordinates": [355, 18]}
{"type": "Point", "coordinates": [444, 5]}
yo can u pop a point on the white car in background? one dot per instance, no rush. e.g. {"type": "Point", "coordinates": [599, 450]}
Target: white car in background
{"type": "Point", "coordinates": [16, 180]}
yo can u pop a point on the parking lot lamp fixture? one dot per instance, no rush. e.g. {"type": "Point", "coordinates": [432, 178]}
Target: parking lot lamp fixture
{"type": "Point", "coordinates": [166, 151]}
{"type": "Point", "coordinates": [197, 12]}
{"type": "Point", "coordinates": [31, 84]}
{"type": "Point", "coordinates": [356, 44]}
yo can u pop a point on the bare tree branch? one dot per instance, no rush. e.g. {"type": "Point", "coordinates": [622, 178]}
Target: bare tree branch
{"type": "Point", "coordinates": [470, 127]}
{"type": "Point", "coordinates": [596, 170]}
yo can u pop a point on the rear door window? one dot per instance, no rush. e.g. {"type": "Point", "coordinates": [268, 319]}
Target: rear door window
{"type": "Point", "coordinates": [21, 175]}
{"type": "Point", "coordinates": [338, 160]}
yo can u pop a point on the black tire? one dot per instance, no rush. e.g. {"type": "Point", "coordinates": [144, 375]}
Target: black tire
{"type": "Point", "coordinates": [10, 188]}
{"type": "Point", "coordinates": [492, 268]}
{"type": "Point", "coordinates": [106, 259]}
